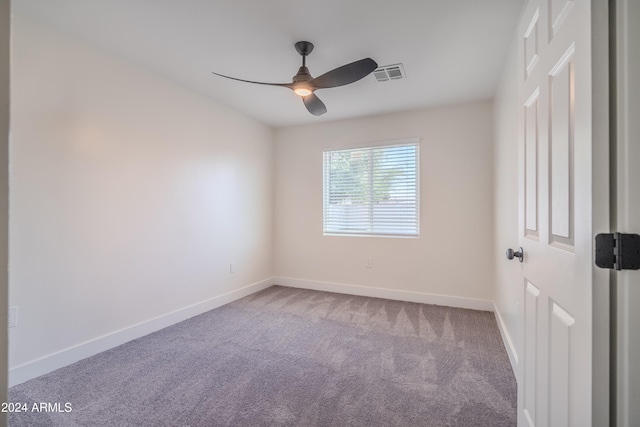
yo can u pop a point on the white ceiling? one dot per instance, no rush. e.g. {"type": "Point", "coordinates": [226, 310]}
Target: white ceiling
{"type": "Point", "coordinates": [452, 50]}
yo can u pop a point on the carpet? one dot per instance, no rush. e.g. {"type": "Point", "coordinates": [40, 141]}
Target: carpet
{"type": "Point", "coordinates": [291, 357]}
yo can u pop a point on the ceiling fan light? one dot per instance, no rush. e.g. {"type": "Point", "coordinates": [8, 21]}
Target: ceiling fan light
{"type": "Point", "coordinates": [302, 91]}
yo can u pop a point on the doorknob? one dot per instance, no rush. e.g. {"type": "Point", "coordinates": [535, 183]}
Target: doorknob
{"type": "Point", "coordinates": [511, 254]}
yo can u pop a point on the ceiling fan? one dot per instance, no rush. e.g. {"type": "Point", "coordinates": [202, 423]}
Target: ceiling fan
{"type": "Point", "coordinates": [304, 85]}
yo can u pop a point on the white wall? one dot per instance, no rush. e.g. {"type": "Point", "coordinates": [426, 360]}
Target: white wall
{"type": "Point", "coordinates": [454, 255]}
{"type": "Point", "coordinates": [507, 287]}
{"type": "Point", "coordinates": [130, 195]}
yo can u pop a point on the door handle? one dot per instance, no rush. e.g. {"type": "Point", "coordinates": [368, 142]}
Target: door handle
{"type": "Point", "coordinates": [519, 254]}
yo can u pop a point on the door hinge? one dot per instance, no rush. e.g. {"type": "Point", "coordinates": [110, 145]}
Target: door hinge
{"type": "Point", "coordinates": [618, 251]}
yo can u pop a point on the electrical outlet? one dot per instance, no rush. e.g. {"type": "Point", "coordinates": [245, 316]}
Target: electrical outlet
{"type": "Point", "coordinates": [13, 317]}
{"type": "Point", "coordinates": [369, 262]}
{"type": "Point", "coordinates": [232, 269]}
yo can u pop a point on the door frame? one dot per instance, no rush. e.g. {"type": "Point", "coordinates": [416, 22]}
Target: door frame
{"type": "Point", "coordinates": [601, 181]}
{"type": "Point", "coordinates": [624, 351]}
{"type": "Point", "coordinates": [5, 69]}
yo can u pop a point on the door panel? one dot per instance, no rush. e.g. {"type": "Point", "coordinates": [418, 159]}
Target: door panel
{"type": "Point", "coordinates": [531, 165]}
{"type": "Point", "coordinates": [555, 212]}
{"type": "Point", "coordinates": [560, 371]}
{"type": "Point", "coordinates": [561, 86]}
{"type": "Point", "coordinates": [559, 11]}
{"type": "Point", "coordinates": [531, 44]}
{"type": "Point", "coordinates": [530, 345]}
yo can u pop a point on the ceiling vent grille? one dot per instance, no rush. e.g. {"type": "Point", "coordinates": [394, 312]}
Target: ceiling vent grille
{"type": "Point", "coordinates": [389, 72]}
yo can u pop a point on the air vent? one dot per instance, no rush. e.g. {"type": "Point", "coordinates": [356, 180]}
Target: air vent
{"type": "Point", "coordinates": [389, 72]}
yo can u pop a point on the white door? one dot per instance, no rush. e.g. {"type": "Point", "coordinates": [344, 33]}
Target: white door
{"type": "Point", "coordinates": [556, 215]}
{"type": "Point", "coordinates": [628, 208]}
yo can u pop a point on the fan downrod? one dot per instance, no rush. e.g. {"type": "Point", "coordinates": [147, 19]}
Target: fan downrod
{"type": "Point", "coordinates": [304, 48]}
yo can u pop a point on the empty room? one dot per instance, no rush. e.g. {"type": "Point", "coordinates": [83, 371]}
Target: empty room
{"type": "Point", "coordinates": [337, 213]}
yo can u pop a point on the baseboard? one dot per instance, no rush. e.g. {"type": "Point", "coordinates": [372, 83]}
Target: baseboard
{"type": "Point", "coordinates": [51, 362]}
{"type": "Point", "coordinates": [367, 291]}
{"type": "Point", "coordinates": [506, 339]}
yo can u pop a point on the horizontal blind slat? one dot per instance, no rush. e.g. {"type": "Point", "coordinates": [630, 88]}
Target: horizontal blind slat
{"type": "Point", "coordinates": [372, 190]}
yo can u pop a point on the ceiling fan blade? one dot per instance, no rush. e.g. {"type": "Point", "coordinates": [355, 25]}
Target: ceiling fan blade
{"type": "Point", "coordinates": [344, 75]}
{"type": "Point", "coordinates": [289, 85]}
{"type": "Point", "coordinates": [314, 105]}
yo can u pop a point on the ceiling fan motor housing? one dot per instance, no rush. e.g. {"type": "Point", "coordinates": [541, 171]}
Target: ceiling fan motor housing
{"type": "Point", "coordinates": [303, 75]}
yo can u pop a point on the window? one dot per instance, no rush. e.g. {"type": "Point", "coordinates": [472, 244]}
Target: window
{"type": "Point", "coordinates": [372, 190]}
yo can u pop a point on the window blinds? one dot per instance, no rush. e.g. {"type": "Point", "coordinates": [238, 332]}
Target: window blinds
{"type": "Point", "coordinates": [372, 191]}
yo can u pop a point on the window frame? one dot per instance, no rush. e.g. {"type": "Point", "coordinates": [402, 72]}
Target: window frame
{"type": "Point", "coordinates": [413, 141]}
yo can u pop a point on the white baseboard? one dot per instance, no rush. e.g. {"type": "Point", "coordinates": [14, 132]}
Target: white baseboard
{"type": "Point", "coordinates": [506, 339]}
{"type": "Point", "coordinates": [366, 291]}
{"type": "Point", "coordinates": [51, 362]}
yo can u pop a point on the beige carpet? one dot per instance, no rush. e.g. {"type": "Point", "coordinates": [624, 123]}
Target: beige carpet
{"type": "Point", "coordinates": [291, 357]}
